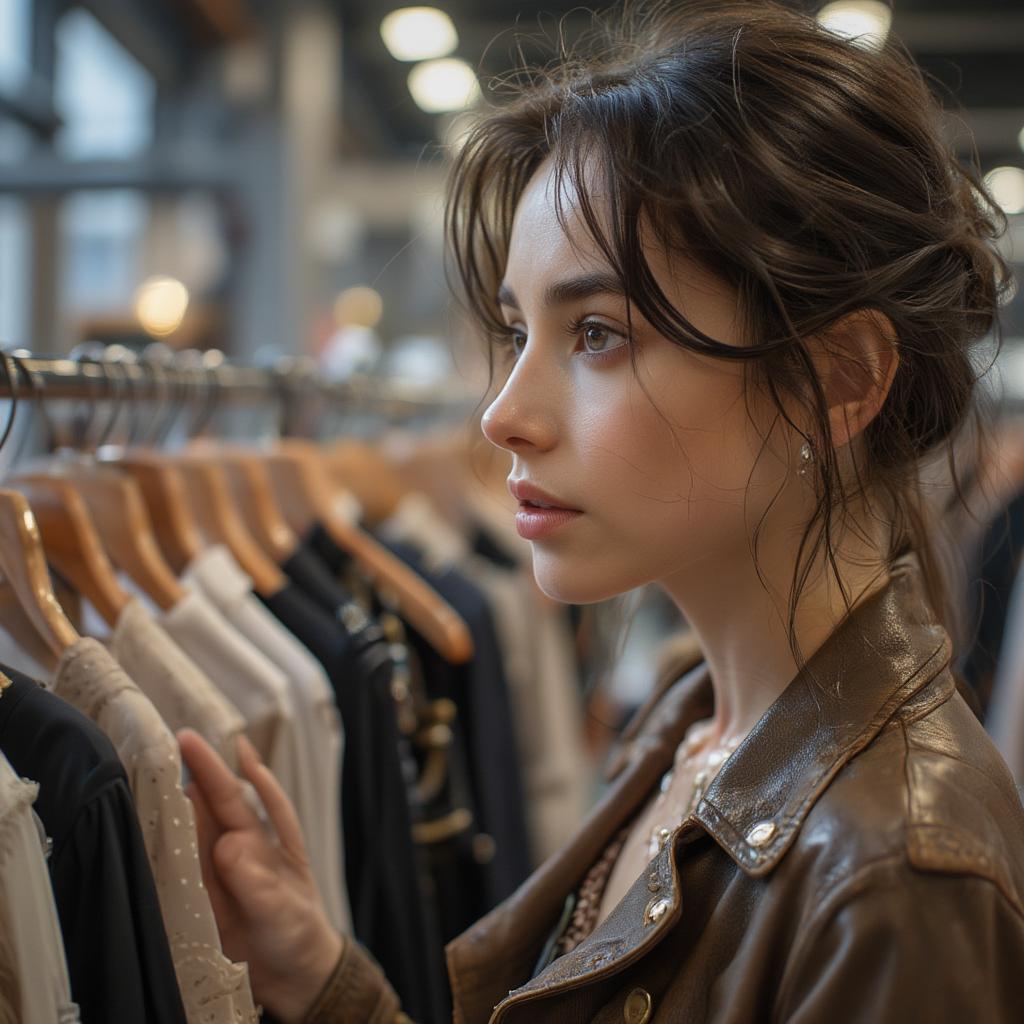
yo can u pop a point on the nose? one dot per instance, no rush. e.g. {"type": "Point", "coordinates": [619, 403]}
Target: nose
{"type": "Point", "coordinates": [522, 417]}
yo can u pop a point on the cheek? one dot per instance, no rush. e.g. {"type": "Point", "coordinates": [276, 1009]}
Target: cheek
{"type": "Point", "coordinates": [671, 445]}
{"type": "Point", "coordinates": [663, 491]}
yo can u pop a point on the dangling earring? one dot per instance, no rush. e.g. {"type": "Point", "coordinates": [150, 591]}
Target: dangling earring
{"type": "Point", "coordinates": [806, 458]}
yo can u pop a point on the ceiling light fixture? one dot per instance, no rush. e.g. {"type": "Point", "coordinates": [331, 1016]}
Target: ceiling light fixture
{"type": "Point", "coordinates": [418, 33]}
{"type": "Point", "coordinates": [864, 22]}
{"type": "Point", "coordinates": [439, 86]}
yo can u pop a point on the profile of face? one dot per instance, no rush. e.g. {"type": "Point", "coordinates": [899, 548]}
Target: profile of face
{"type": "Point", "coordinates": [668, 472]}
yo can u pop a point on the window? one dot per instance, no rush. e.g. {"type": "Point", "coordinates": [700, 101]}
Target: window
{"type": "Point", "coordinates": [105, 97]}
{"type": "Point", "coordinates": [15, 273]}
{"type": "Point", "coordinates": [102, 236]}
{"type": "Point", "coordinates": [15, 43]}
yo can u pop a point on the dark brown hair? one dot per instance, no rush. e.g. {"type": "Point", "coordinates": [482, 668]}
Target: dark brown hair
{"type": "Point", "coordinates": [806, 171]}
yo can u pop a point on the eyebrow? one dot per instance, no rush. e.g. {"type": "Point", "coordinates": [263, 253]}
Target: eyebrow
{"type": "Point", "coordinates": [571, 290]}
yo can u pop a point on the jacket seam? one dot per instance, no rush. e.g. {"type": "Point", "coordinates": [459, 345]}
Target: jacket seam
{"type": "Point", "coordinates": [842, 896]}
{"type": "Point", "coordinates": [457, 994]}
{"type": "Point", "coordinates": [909, 719]}
{"type": "Point", "coordinates": [907, 785]}
{"type": "Point", "coordinates": [1011, 897]}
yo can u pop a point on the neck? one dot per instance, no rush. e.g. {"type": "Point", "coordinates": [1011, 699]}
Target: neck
{"type": "Point", "coordinates": [743, 627]}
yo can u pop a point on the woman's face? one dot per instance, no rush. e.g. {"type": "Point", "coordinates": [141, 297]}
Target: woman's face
{"type": "Point", "coordinates": [662, 462]}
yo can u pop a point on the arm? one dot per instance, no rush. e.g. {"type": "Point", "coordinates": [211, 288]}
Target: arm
{"type": "Point", "coordinates": [894, 944]}
{"type": "Point", "coordinates": [268, 910]}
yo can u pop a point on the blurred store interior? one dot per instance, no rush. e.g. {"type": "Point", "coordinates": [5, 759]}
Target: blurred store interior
{"type": "Point", "coordinates": [222, 173]}
{"type": "Point", "coordinates": [265, 177]}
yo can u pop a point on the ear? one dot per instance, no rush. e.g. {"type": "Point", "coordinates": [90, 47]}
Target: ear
{"type": "Point", "coordinates": [856, 360]}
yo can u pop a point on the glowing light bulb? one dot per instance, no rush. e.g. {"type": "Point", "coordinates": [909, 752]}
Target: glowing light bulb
{"type": "Point", "coordinates": [439, 86]}
{"type": "Point", "coordinates": [418, 33]}
{"type": "Point", "coordinates": [1007, 187]}
{"type": "Point", "coordinates": [160, 305]}
{"type": "Point", "coordinates": [864, 22]}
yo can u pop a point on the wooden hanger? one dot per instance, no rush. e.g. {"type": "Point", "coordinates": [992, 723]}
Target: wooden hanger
{"type": "Point", "coordinates": [221, 520]}
{"type": "Point", "coordinates": [444, 465]}
{"type": "Point", "coordinates": [163, 491]}
{"type": "Point", "coordinates": [119, 513]}
{"type": "Point", "coordinates": [248, 473]}
{"type": "Point", "coordinates": [364, 471]}
{"type": "Point", "coordinates": [304, 490]}
{"type": "Point", "coordinates": [72, 545]}
{"type": "Point", "coordinates": [23, 565]}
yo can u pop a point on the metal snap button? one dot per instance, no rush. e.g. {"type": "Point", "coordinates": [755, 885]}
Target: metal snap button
{"type": "Point", "coordinates": [656, 910]}
{"type": "Point", "coordinates": [761, 834]}
{"type": "Point", "coordinates": [637, 1008]}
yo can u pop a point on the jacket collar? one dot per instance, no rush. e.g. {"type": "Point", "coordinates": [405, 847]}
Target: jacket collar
{"type": "Point", "coordinates": [886, 651]}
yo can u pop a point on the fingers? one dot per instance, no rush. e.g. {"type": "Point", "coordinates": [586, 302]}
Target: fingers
{"type": "Point", "coordinates": [220, 788]}
{"type": "Point", "coordinates": [208, 833]}
{"type": "Point", "coordinates": [275, 801]}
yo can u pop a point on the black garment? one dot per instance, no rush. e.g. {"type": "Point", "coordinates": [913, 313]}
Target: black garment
{"type": "Point", "coordinates": [484, 544]}
{"type": "Point", "coordinates": [991, 586]}
{"type": "Point", "coordinates": [452, 866]}
{"type": "Point", "coordinates": [118, 957]}
{"type": "Point", "coordinates": [391, 914]}
{"type": "Point", "coordinates": [480, 692]}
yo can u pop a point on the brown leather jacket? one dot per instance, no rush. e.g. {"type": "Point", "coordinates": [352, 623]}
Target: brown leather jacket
{"type": "Point", "coordinates": [859, 858]}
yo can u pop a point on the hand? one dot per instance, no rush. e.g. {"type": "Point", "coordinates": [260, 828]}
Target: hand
{"type": "Point", "coordinates": [263, 893]}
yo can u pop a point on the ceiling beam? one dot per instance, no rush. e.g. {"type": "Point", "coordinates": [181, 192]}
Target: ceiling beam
{"type": "Point", "coordinates": [147, 32]}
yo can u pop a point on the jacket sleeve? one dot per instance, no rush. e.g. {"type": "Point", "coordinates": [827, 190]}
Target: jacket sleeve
{"type": "Point", "coordinates": [356, 993]}
{"type": "Point", "coordinates": [894, 944]}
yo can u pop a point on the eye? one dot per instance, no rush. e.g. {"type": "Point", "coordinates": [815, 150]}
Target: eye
{"type": "Point", "coordinates": [597, 338]}
{"type": "Point", "coordinates": [509, 344]}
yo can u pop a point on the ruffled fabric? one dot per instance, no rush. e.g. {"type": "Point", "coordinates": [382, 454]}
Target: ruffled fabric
{"type": "Point", "coordinates": [34, 985]}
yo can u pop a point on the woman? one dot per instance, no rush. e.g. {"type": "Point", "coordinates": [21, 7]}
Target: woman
{"type": "Point", "coordinates": [733, 275]}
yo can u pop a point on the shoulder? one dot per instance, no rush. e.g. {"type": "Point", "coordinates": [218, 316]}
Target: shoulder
{"type": "Point", "coordinates": [910, 870]}
{"type": "Point", "coordinates": [930, 795]}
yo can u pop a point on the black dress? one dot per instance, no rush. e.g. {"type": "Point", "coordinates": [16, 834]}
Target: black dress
{"type": "Point", "coordinates": [118, 957]}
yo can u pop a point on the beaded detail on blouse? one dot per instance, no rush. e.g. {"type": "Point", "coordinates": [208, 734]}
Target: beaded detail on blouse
{"type": "Point", "coordinates": [214, 989]}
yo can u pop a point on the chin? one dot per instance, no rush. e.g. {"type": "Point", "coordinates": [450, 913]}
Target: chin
{"type": "Point", "coordinates": [573, 582]}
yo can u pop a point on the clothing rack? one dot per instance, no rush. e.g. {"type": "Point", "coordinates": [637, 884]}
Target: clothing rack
{"type": "Point", "coordinates": [208, 378]}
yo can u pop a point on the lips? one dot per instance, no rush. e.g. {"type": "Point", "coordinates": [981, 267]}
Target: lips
{"type": "Point", "coordinates": [530, 496]}
{"type": "Point", "coordinates": [540, 513]}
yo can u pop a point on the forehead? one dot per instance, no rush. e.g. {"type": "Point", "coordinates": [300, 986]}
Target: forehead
{"type": "Point", "coordinates": [552, 242]}
{"type": "Point", "coordinates": [549, 233]}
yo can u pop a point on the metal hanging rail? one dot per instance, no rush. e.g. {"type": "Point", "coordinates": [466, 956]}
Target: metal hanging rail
{"type": "Point", "coordinates": [209, 378]}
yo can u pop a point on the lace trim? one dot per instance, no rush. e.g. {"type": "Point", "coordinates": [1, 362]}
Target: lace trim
{"type": "Point", "coordinates": [215, 990]}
